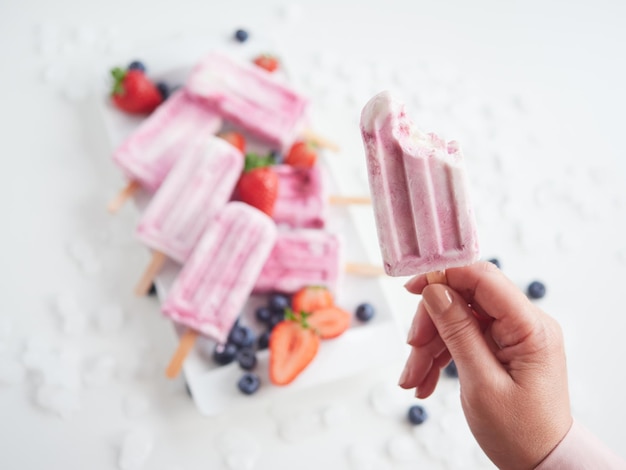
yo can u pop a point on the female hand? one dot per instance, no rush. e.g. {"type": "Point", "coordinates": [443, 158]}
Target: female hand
{"type": "Point", "coordinates": [510, 359]}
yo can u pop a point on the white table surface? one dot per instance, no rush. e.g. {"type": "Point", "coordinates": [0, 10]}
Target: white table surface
{"type": "Point", "coordinates": [533, 91]}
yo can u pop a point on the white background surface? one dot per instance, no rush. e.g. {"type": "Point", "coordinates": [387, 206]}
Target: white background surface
{"type": "Point", "coordinates": [533, 91]}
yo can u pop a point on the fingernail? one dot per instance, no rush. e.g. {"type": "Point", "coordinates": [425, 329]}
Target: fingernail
{"type": "Point", "coordinates": [437, 298]}
{"type": "Point", "coordinates": [404, 376]}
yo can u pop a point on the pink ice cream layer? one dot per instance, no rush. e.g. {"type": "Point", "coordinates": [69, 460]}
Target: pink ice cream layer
{"type": "Point", "coordinates": [424, 218]}
{"type": "Point", "coordinates": [250, 97]}
{"type": "Point", "coordinates": [217, 279]}
{"type": "Point", "coordinates": [150, 152]}
{"type": "Point", "coordinates": [200, 183]}
{"type": "Point", "coordinates": [301, 201]}
{"type": "Point", "coordinates": [302, 258]}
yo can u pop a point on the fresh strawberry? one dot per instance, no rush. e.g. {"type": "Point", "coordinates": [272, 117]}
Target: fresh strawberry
{"type": "Point", "coordinates": [329, 322]}
{"type": "Point", "coordinates": [293, 345]}
{"type": "Point", "coordinates": [312, 298]}
{"type": "Point", "coordinates": [235, 139]}
{"type": "Point", "coordinates": [267, 62]}
{"type": "Point", "coordinates": [258, 184]}
{"type": "Point", "coordinates": [301, 154]}
{"type": "Point", "coordinates": [133, 92]}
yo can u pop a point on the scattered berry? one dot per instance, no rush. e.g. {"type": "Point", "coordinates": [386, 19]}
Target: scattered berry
{"type": "Point", "coordinates": [311, 298]}
{"type": "Point", "coordinates": [258, 185]}
{"type": "Point", "coordinates": [292, 348]}
{"type": "Point", "coordinates": [249, 383]}
{"type": "Point", "coordinates": [451, 370]}
{"type": "Point", "coordinates": [495, 261]}
{"type": "Point", "coordinates": [152, 291]}
{"type": "Point", "coordinates": [264, 340]}
{"type": "Point", "coordinates": [267, 62]}
{"type": "Point", "coordinates": [329, 322]}
{"type": "Point", "coordinates": [365, 312]}
{"type": "Point", "coordinates": [301, 154]}
{"type": "Point", "coordinates": [536, 290]}
{"type": "Point", "coordinates": [133, 92]}
{"type": "Point", "coordinates": [235, 139]}
{"type": "Point", "coordinates": [225, 353]}
{"type": "Point", "coordinates": [278, 303]}
{"type": "Point", "coordinates": [276, 157]}
{"type": "Point", "coordinates": [263, 315]}
{"type": "Point", "coordinates": [164, 90]}
{"type": "Point", "coordinates": [137, 65]}
{"type": "Point", "coordinates": [246, 358]}
{"type": "Point", "coordinates": [417, 414]}
{"type": "Point", "coordinates": [241, 336]}
{"type": "Point", "coordinates": [241, 35]}
{"type": "Point", "coordinates": [276, 318]}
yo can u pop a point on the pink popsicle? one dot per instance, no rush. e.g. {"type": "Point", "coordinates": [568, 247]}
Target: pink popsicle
{"type": "Point", "coordinates": [249, 97]}
{"type": "Point", "coordinates": [150, 152]}
{"type": "Point", "coordinates": [424, 218]}
{"type": "Point", "coordinates": [217, 279]}
{"type": "Point", "coordinates": [302, 258]}
{"type": "Point", "coordinates": [301, 202]}
{"type": "Point", "coordinates": [200, 183]}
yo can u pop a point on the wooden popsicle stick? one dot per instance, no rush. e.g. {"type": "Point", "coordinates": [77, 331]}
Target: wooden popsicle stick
{"type": "Point", "coordinates": [319, 140]}
{"type": "Point", "coordinates": [437, 277]}
{"type": "Point", "coordinates": [345, 200]}
{"type": "Point", "coordinates": [125, 194]}
{"type": "Point", "coordinates": [156, 263]}
{"type": "Point", "coordinates": [187, 340]}
{"type": "Point", "coordinates": [363, 269]}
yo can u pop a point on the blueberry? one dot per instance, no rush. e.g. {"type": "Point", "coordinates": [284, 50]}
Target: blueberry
{"type": "Point", "coordinates": [137, 65]}
{"type": "Point", "coordinates": [152, 291]}
{"type": "Point", "coordinates": [536, 290]}
{"type": "Point", "coordinates": [278, 302]}
{"type": "Point", "coordinates": [263, 315]}
{"type": "Point", "coordinates": [164, 90]}
{"type": "Point", "coordinates": [276, 156]}
{"type": "Point", "coordinates": [417, 414]}
{"type": "Point", "coordinates": [241, 35]}
{"type": "Point", "coordinates": [241, 336]}
{"type": "Point", "coordinates": [246, 358]}
{"type": "Point", "coordinates": [495, 261]}
{"type": "Point", "coordinates": [264, 340]}
{"type": "Point", "coordinates": [249, 383]}
{"type": "Point", "coordinates": [365, 312]}
{"type": "Point", "coordinates": [451, 370]}
{"type": "Point", "coordinates": [277, 317]}
{"type": "Point", "coordinates": [224, 353]}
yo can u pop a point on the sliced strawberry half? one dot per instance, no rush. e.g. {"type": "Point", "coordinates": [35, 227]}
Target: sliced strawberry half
{"type": "Point", "coordinates": [329, 322]}
{"type": "Point", "coordinates": [312, 298]}
{"type": "Point", "coordinates": [292, 348]}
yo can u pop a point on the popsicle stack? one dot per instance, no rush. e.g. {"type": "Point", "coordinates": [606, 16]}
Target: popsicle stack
{"type": "Point", "coordinates": [227, 249]}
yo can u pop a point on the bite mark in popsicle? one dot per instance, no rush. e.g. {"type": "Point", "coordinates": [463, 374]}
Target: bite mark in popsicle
{"type": "Point", "coordinates": [424, 218]}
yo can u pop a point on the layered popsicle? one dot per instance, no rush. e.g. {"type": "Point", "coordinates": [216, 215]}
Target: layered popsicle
{"type": "Point", "coordinates": [249, 97]}
{"type": "Point", "coordinates": [301, 201]}
{"type": "Point", "coordinates": [302, 258]}
{"type": "Point", "coordinates": [424, 218]}
{"type": "Point", "coordinates": [149, 153]}
{"type": "Point", "coordinates": [200, 183]}
{"type": "Point", "coordinates": [217, 279]}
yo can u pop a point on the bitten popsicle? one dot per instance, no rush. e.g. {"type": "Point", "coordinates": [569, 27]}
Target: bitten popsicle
{"type": "Point", "coordinates": [424, 218]}
{"type": "Point", "coordinates": [149, 153]}
{"type": "Point", "coordinates": [199, 184]}
{"type": "Point", "coordinates": [219, 276]}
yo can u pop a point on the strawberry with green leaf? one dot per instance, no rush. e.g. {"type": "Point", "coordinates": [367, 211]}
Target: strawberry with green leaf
{"type": "Point", "coordinates": [293, 345]}
{"type": "Point", "coordinates": [258, 184]}
{"type": "Point", "coordinates": [133, 92]}
{"type": "Point", "coordinates": [302, 154]}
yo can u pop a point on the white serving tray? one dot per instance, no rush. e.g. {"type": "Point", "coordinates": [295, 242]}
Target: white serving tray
{"type": "Point", "coordinates": [363, 346]}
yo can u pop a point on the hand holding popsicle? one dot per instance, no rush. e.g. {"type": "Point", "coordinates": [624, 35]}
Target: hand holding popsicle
{"type": "Point", "coordinates": [512, 369]}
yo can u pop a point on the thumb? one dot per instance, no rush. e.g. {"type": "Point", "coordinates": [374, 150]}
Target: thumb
{"type": "Point", "coordinates": [459, 330]}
